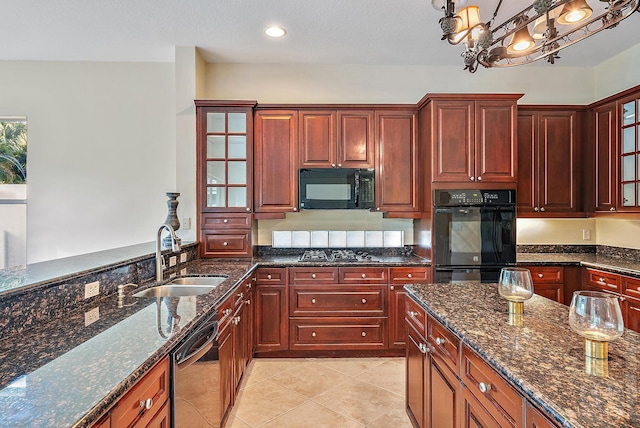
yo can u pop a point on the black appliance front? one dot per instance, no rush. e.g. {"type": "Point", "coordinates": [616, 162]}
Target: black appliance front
{"type": "Point", "coordinates": [474, 231]}
{"type": "Point", "coordinates": [471, 274]}
{"type": "Point", "coordinates": [336, 188]}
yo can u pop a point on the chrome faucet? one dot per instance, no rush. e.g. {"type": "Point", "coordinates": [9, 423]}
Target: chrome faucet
{"type": "Point", "coordinates": [175, 246]}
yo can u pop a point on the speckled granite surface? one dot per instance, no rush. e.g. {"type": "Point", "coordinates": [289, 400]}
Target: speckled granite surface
{"type": "Point", "coordinates": [623, 266]}
{"type": "Point", "coordinates": [544, 358]}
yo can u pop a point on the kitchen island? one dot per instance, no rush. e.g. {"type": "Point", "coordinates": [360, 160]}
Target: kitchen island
{"type": "Point", "coordinates": [539, 356]}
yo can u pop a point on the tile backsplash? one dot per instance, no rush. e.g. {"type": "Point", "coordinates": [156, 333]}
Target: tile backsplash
{"type": "Point", "coordinates": [337, 239]}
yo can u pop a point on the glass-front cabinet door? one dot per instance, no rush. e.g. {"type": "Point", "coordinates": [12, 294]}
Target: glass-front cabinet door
{"type": "Point", "coordinates": [629, 156]}
{"type": "Point", "coordinates": [225, 136]}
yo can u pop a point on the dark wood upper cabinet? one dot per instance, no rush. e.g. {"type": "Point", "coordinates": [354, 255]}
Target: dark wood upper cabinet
{"type": "Point", "coordinates": [473, 138]}
{"type": "Point", "coordinates": [549, 162]}
{"type": "Point", "coordinates": [396, 173]}
{"type": "Point", "coordinates": [337, 139]}
{"type": "Point", "coordinates": [276, 161]}
{"type": "Point", "coordinates": [606, 157]}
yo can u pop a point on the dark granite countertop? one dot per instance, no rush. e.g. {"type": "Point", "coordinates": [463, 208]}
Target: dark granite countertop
{"type": "Point", "coordinates": [612, 264]}
{"type": "Point", "coordinates": [543, 359]}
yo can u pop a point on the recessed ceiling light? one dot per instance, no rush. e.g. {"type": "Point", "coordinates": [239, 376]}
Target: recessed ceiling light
{"type": "Point", "coordinates": [275, 31]}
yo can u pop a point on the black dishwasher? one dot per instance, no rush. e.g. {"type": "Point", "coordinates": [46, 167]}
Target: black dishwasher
{"type": "Point", "coordinates": [196, 378]}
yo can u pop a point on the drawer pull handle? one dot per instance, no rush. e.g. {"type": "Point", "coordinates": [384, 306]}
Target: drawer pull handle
{"type": "Point", "coordinates": [412, 314]}
{"type": "Point", "coordinates": [364, 333]}
{"type": "Point", "coordinates": [440, 341]}
{"type": "Point", "coordinates": [269, 276]}
{"type": "Point", "coordinates": [313, 334]}
{"type": "Point", "coordinates": [409, 276]}
{"type": "Point", "coordinates": [602, 280]}
{"type": "Point", "coordinates": [484, 387]}
{"type": "Point", "coordinates": [224, 244]}
{"type": "Point", "coordinates": [247, 302]}
{"type": "Point", "coordinates": [540, 275]}
{"type": "Point", "coordinates": [313, 301]}
{"type": "Point", "coordinates": [146, 404]}
{"type": "Point", "coordinates": [227, 312]}
{"type": "Point", "coordinates": [364, 275]}
{"type": "Point", "coordinates": [248, 286]}
{"type": "Point", "coordinates": [393, 288]}
{"type": "Point", "coordinates": [313, 275]}
{"type": "Point", "coordinates": [622, 298]}
{"type": "Point", "coordinates": [225, 220]}
{"type": "Point", "coordinates": [423, 348]}
{"type": "Point", "coordinates": [364, 301]}
{"type": "Point", "coordinates": [240, 295]}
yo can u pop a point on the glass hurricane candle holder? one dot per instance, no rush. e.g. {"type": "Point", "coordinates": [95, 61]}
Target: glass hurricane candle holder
{"type": "Point", "coordinates": [515, 285]}
{"type": "Point", "coordinates": [597, 317]}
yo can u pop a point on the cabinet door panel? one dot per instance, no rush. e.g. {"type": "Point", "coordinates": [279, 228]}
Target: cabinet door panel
{"type": "Point", "coordinates": [397, 326]}
{"type": "Point", "coordinates": [558, 154]}
{"type": "Point", "coordinates": [606, 157]}
{"type": "Point", "coordinates": [444, 395]}
{"type": "Point", "coordinates": [396, 177]}
{"type": "Point", "coordinates": [276, 161]}
{"type": "Point", "coordinates": [415, 382]}
{"type": "Point", "coordinates": [453, 141]}
{"type": "Point", "coordinates": [631, 311]}
{"type": "Point", "coordinates": [527, 161]}
{"type": "Point", "coordinates": [356, 143]}
{"type": "Point", "coordinates": [495, 141]}
{"type": "Point", "coordinates": [272, 329]}
{"type": "Point", "coordinates": [317, 139]}
{"type": "Point", "coordinates": [473, 414]}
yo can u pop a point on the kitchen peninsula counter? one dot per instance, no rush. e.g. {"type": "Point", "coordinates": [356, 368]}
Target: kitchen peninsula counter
{"type": "Point", "coordinates": [542, 359]}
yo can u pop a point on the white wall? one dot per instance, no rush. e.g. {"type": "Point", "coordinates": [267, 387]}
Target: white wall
{"type": "Point", "coordinates": [618, 73]}
{"type": "Point", "coordinates": [101, 151]}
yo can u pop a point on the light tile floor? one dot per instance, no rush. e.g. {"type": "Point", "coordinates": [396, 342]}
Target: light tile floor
{"type": "Point", "coordinates": [321, 393]}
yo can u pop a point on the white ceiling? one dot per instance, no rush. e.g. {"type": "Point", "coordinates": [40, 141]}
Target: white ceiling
{"type": "Point", "coordinates": [381, 32]}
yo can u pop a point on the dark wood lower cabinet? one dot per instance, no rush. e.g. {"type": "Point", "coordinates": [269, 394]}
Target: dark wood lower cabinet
{"type": "Point", "coordinates": [271, 332]}
{"type": "Point", "coordinates": [473, 414]}
{"type": "Point", "coordinates": [415, 385]}
{"type": "Point", "coordinates": [444, 394]}
{"type": "Point", "coordinates": [535, 419]}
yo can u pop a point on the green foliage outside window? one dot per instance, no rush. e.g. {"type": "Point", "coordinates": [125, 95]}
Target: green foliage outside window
{"type": "Point", "coordinates": [13, 151]}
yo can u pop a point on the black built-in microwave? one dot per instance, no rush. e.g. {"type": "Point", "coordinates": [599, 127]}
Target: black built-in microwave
{"type": "Point", "coordinates": [337, 188]}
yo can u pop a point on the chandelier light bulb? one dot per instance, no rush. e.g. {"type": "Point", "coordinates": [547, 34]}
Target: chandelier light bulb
{"type": "Point", "coordinates": [574, 11]}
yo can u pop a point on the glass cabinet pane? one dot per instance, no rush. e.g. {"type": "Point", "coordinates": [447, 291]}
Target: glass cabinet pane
{"type": "Point", "coordinates": [215, 146]}
{"type": "Point", "coordinates": [629, 140]}
{"type": "Point", "coordinates": [215, 122]}
{"type": "Point", "coordinates": [237, 196]}
{"type": "Point", "coordinates": [238, 146]}
{"type": "Point", "coordinates": [216, 197]}
{"type": "Point", "coordinates": [628, 168]}
{"type": "Point", "coordinates": [215, 172]}
{"type": "Point", "coordinates": [629, 195]}
{"type": "Point", "coordinates": [238, 123]}
{"type": "Point", "coordinates": [237, 172]}
{"type": "Point", "coordinates": [629, 113]}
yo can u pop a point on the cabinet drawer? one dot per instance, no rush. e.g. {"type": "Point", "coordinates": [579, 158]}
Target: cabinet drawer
{"type": "Point", "coordinates": [405, 275]}
{"type": "Point", "coordinates": [445, 343]}
{"type": "Point", "coordinates": [415, 315]}
{"type": "Point", "coordinates": [275, 276]}
{"type": "Point", "coordinates": [233, 243]}
{"type": "Point", "coordinates": [155, 386]}
{"type": "Point", "coordinates": [225, 313]}
{"type": "Point", "coordinates": [338, 333]}
{"type": "Point", "coordinates": [363, 275]}
{"type": "Point", "coordinates": [546, 274]}
{"type": "Point", "coordinates": [313, 275]}
{"type": "Point", "coordinates": [603, 280]}
{"type": "Point", "coordinates": [495, 394]}
{"type": "Point", "coordinates": [337, 300]}
{"type": "Point", "coordinates": [631, 286]}
{"type": "Point", "coordinates": [226, 221]}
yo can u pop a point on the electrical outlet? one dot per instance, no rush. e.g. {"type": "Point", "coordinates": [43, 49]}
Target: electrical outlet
{"type": "Point", "coordinates": [183, 257]}
{"type": "Point", "coordinates": [91, 316]}
{"type": "Point", "coordinates": [183, 272]}
{"type": "Point", "coordinates": [173, 260]}
{"type": "Point", "coordinates": [586, 234]}
{"type": "Point", "coordinates": [91, 289]}
{"type": "Point", "coordinates": [186, 223]}
{"type": "Point", "coordinates": [172, 275]}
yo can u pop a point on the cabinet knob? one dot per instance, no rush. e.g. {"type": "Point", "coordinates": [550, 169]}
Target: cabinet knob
{"type": "Point", "coordinates": [484, 387]}
{"type": "Point", "coordinates": [377, 208]}
{"type": "Point", "coordinates": [601, 280]}
{"type": "Point", "coordinates": [313, 275]}
{"type": "Point", "coordinates": [240, 295]}
{"type": "Point", "coordinates": [364, 275]}
{"type": "Point", "coordinates": [412, 314]}
{"type": "Point", "coordinates": [364, 301]}
{"type": "Point", "coordinates": [313, 334]}
{"type": "Point", "coordinates": [423, 348]}
{"type": "Point", "coordinates": [536, 209]}
{"type": "Point", "coordinates": [472, 178]}
{"type": "Point", "coordinates": [339, 165]}
{"type": "Point", "coordinates": [225, 244]}
{"type": "Point", "coordinates": [227, 312]}
{"type": "Point", "coordinates": [612, 209]}
{"type": "Point", "coordinates": [542, 209]}
{"type": "Point", "coordinates": [333, 165]}
{"type": "Point", "coordinates": [622, 298]}
{"type": "Point", "coordinates": [295, 208]}
{"type": "Point", "coordinates": [313, 301]}
{"type": "Point", "coordinates": [479, 178]}
{"type": "Point", "coordinates": [269, 276]}
{"type": "Point", "coordinates": [540, 275]}
{"type": "Point", "coordinates": [409, 276]}
{"type": "Point", "coordinates": [364, 333]}
{"type": "Point", "coordinates": [393, 288]}
{"type": "Point", "coordinates": [440, 341]}
{"type": "Point", "coordinates": [226, 220]}
{"type": "Point", "coordinates": [248, 209]}
{"type": "Point", "coordinates": [247, 302]}
{"type": "Point", "coordinates": [146, 404]}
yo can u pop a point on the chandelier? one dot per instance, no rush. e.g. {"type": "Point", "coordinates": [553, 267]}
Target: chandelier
{"type": "Point", "coordinates": [539, 31]}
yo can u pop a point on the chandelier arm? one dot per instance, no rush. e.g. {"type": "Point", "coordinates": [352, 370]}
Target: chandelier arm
{"type": "Point", "coordinates": [462, 35]}
{"type": "Point", "coordinates": [495, 13]}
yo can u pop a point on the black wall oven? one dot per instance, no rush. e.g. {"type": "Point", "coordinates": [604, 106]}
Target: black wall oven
{"type": "Point", "coordinates": [475, 234]}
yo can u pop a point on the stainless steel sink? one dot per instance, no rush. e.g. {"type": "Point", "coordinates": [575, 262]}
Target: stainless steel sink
{"type": "Point", "coordinates": [199, 280]}
{"type": "Point", "coordinates": [185, 286]}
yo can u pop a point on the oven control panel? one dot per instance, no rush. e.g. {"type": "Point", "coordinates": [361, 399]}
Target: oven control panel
{"type": "Point", "coordinates": [468, 197]}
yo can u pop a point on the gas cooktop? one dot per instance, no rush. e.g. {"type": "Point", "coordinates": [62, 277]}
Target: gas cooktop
{"type": "Point", "coordinates": [336, 256]}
